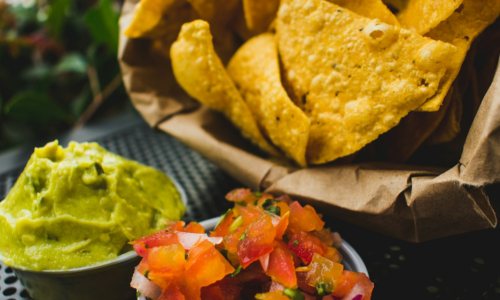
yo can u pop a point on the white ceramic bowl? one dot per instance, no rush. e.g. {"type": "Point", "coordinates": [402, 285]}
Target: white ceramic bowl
{"type": "Point", "coordinates": [109, 280]}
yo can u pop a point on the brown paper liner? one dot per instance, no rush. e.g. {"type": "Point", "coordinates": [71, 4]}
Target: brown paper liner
{"type": "Point", "coordinates": [412, 203]}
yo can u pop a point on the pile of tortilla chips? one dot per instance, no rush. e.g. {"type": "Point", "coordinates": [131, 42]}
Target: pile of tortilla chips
{"type": "Point", "coordinates": [316, 80]}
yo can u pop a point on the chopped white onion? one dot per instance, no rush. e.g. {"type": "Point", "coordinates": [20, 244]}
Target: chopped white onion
{"type": "Point", "coordinates": [145, 286]}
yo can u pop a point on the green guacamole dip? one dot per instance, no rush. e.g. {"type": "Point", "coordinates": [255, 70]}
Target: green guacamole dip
{"type": "Point", "coordinates": [80, 206]}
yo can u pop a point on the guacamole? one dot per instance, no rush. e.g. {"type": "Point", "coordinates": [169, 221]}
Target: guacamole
{"type": "Point", "coordinates": [80, 206]}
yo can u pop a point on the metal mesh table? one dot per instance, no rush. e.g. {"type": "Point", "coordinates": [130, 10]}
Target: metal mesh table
{"type": "Point", "coordinates": [460, 267]}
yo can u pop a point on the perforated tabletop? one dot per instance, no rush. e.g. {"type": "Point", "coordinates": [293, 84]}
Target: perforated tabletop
{"type": "Point", "coordinates": [459, 267]}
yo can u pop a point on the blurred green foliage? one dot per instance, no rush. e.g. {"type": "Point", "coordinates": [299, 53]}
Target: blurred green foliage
{"type": "Point", "coordinates": [58, 66]}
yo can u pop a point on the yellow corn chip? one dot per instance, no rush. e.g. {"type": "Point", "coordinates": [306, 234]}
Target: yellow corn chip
{"type": "Point", "coordinates": [157, 18]}
{"type": "Point", "coordinates": [460, 29]}
{"type": "Point", "coordinates": [259, 14]}
{"type": "Point", "coordinates": [373, 9]}
{"type": "Point", "coordinates": [449, 127]}
{"type": "Point", "coordinates": [256, 73]}
{"type": "Point", "coordinates": [201, 74]}
{"type": "Point", "coordinates": [423, 15]}
{"type": "Point", "coordinates": [399, 143]}
{"type": "Point", "coordinates": [355, 78]}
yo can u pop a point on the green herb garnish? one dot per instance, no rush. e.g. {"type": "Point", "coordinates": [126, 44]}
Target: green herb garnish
{"type": "Point", "coordinates": [257, 194]}
{"type": "Point", "coordinates": [237, 271]}
{"type": "Point", "coordinates": [295, 243]}
{"type": "Point", "coordinates": [243, 236]}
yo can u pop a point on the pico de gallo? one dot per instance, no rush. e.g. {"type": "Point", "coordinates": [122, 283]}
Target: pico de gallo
{"type": "Point", "coordinates": [267, 248]}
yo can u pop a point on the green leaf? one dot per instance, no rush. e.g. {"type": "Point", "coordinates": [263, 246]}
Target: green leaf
{"type": "Point", "coordinates": [103, 24]}
{"type": "Point", "coordinates": [57, 15]}
{"type": "Point", "coordinates": [72, 62]}
{"type": "Point", "coordinates": [34, 106]}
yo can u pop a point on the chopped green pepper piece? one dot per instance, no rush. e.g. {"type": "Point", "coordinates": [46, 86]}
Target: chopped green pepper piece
{"type": "Point", "coordinates": [324, 289]}
{"type": "Point", "coordinates": [237, 223]}
{"type": "Point", "coordinates": [294, 294]}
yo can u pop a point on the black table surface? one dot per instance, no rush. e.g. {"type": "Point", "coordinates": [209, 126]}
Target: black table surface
{"type": "Point", "coordinates": [465, 266]}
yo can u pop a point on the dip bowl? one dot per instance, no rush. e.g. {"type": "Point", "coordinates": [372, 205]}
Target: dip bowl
{"type": "Point", "coordinates": [351, 259]}
{"type": "Point", "coordinates": [108, 280]}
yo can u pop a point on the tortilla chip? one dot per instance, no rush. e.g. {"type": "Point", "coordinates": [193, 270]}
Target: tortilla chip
{"type": "Point", "coordinates": [449, 127]}
{"type": "Point", "coordinates": [460, 29]}
{"type": "Point", "coordinates": [201, 74]}
{"type": "Point", "coordinates": [159, 18]}
{"type": "Point", "coordinates": [259, 14]}
{"type": "Point", "coordinates": [216, 12]}
{"type": "Point", "coordinates": [355, 78]}
{"type": "Point", "coordinates": [423, 15]}
{"type": "Point", "coordinates": [399, 143]}
{"type": "Point", "coordinates": [373, 9]}
{"type": "Point", "coordinates": [239, 25]}
{"type": "Point", "coordinates": [256, 73]}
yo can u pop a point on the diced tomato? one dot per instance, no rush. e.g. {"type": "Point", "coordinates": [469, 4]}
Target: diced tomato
{"type": "Point", "coordinates": [172, 292]}
{"type": "Point", "coordinates": [303, 219]}
{"type": "Point", "coordinates": [324, 273]}
{"type": "Point", "coordinates": [333, 255]}
{"type": "Point", "coordinates": [282, 226]}
{"type": "Point", "coordinates": [258, 240]}
{"type": "Point", "coordinates": [160, 238]}
{"type": "Point", "coordinates": [143, 265]}
{"type": "Point", "coordinates": [353, 283]}
{"type": "Point", "coordinates": [206, 265]}
{"type": "Point", "coordinates": [175, 225]}
{"type": "Point", "coordinates": [304, 244]}
{"type": "Point", "coordinates": [237, 195]}
{"type": "Point", "coordinates": [222, 228]}
{"type": "Point", "coordinates": [230, 243]}
{"type": "Point", "coordinates": [281, 268]}
{"type": "Point", "coordinates": [194, 227]}
{"type": "Point", "coordinates": [248, 213]}
{"type": "Point", "coordinates": [325, 235]}
{"type": "Point", "coordinates": [302, 282]}
{"type": "Point", "coordinates": [284, 208]}
{"type": "Point", "coordinates": [166, 263]}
